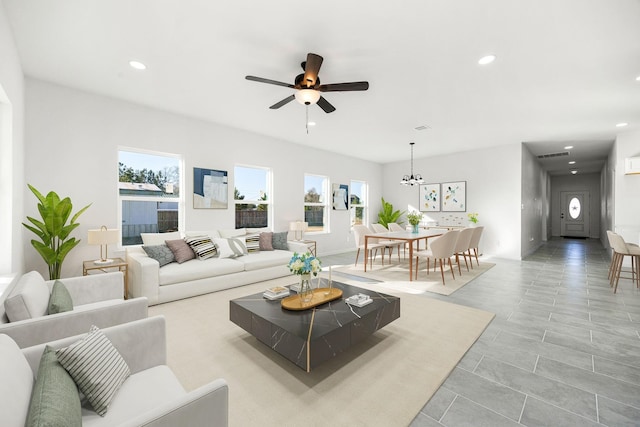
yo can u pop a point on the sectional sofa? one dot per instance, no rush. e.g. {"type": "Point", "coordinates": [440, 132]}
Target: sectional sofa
{"type": "Point", "coordinates": [174, 281]}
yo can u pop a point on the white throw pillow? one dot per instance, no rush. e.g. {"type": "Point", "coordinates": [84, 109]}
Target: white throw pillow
{"type": "Point", "coordinates": [230, 248]}
{"type": "Point", "coordinates": [154, 239]}
{"type": "Point", "coordinates": [28, 299]}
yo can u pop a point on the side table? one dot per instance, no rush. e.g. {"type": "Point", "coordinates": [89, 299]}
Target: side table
{"type": "Point", "coordinates": [312, 245]}
{"type": "Point", "coordinates": [90, 267]}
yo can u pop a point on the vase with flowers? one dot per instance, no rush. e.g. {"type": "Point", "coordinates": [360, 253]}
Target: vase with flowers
{"type": "Point", "coordinates": [305, 265]}
{"type": "Point", "coordinates": [414, 218]}
{"type": "Point", "coordinates": [473, 219]}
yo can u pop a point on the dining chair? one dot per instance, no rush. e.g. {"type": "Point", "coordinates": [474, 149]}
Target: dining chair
{"type": "Point", "coordinates": [621, 250]}
{"type": "Point", "coordinates": [441, 249]}
{"type": "Point", "coordinates": [394, 226]}
{"type": "Point", "coordinates": [474, 243]}
{"type": "Point", "coordinates": [462, 246]}
{"type": "Point", "coordinates": [389, 244]}
{"type": "Point", "coordinates": [360, 231]}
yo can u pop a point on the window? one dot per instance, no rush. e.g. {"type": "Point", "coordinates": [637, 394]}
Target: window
{"type": "Point", "coordinates": [252, 196]}
{"type": "Point", "coordinates": [316, 202]}
{"type": "Point", "coordinates": [358, 203]}
{"type": "Point", "coordinates": [149, 194]}
{"type": "Point", "coordinates": [574, 208]}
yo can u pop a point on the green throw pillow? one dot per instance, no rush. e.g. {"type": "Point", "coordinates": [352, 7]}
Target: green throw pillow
{"type": "Point", "coordinates": [54, 398]}
{"type": "Point", "coordinates": [60, 299]}
{"type": "Point", "coordinates": [279, 241]}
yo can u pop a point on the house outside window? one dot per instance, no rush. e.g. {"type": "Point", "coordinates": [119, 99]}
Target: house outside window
{"type": "Point", "coordinates": [316, 202]}
{"type": "Point", "coordinates": [358, 203]}
{"type": "Point", "coordinates": [252, 196]}
{"type": "Point", "coordinates": [148, 194]}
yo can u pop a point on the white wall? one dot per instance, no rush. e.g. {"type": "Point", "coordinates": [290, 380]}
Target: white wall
{"type": "Point", "coordinates": [607, 205]}
{"type": "Point", "coordinates": [535, 212]}
{"type": "Point", "coordinates": [11, 151]}
{"type": "Point", "coordinates": [627, 189]}
{"type": "Point", "coordinates": [587, 182]}
{"type": "Point", "coordinates": [72, 141]}
{"type": "Point", "coordinates": [493, 178]}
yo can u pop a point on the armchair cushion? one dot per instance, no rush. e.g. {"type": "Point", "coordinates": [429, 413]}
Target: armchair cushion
{"type": "Point", "coordinates": [60, 299]}
{"type": "Point", "coordinates": [15, 384]}
{"type": "Point", "coordinates": [28, 299]}
{"type": "Point", "coordinates": [54, 398]}
{"type": "Point", "coordinates": [97, 368]}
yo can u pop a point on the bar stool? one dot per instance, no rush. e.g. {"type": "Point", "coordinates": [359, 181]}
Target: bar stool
{"type": "Point", "coordinates": [620, 250]}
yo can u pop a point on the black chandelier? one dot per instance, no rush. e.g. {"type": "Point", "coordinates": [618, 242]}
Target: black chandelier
{"type": "Point", "coordinates": [412, 180]}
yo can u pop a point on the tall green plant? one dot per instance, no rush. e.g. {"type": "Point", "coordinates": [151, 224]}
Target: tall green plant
{"type": "Point", "coordinates": [387, 214]}
{"type": "Point", "coordinates": [53, 229]}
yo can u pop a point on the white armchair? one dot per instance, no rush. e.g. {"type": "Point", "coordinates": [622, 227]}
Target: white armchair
{"type": "Point", "coordinates": [97, 300]}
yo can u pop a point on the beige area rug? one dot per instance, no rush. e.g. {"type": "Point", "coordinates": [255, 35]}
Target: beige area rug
{"type": "Point", "coordinates": [396, 275]}
{"type": "Point", "coordinates": [383, 381]}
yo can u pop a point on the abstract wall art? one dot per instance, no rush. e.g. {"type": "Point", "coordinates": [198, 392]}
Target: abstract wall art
{"type": "Point", "coordinates": [454, 196]}
{"type": "Point", "coordinates": [429, 198]}
{"type": "Point", "coordinates": [210, 189]}
{"type": "Point", "coordinates": [340, 197]}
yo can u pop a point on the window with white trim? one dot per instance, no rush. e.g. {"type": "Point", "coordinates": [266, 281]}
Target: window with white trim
{"type": "Point", "coordinates": [358, 203]}
{"type": "Point", "coordinates": [148, 193]}
{"type": "Point", "coordinates": [252, 196]}
{"type": "Point", "coordinates": [316, 203]}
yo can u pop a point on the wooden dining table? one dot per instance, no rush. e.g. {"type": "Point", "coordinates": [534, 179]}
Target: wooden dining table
{"type": "Point", "coordinates": [406, 236]}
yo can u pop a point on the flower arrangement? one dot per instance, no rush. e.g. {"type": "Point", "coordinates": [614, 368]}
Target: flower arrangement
{"type": "Point", "coordinates": [304, 264]}
{"type": "Point", "coordinates": [473, 217]}
{"type": "Point", "coordinates": [414, 217]}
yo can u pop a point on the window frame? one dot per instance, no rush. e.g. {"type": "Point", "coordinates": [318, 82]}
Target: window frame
{"type": "Point", "coordinates": [268, 190]}
{"type": "Point", "coordinates": [325, 191]}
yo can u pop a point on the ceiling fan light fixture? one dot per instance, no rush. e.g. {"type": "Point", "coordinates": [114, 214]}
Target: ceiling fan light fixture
{"type": "Point", "coordinates": [307, 96]}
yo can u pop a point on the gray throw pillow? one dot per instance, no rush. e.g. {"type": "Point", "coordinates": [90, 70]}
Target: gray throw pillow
{"type": "Point", "coordinates": [54, 398]}
{"type": "Point", "coordinates": [160, 253]}
{"type": "Point", "coordinates": [181, 250]}
{"type": "Point", "coordinates": [279, 240]}
{"type": "Point", "coordinates": [60, 299]}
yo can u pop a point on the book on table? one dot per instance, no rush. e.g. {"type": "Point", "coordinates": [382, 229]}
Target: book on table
{"type": "Point", "coordinates": [276, 292]}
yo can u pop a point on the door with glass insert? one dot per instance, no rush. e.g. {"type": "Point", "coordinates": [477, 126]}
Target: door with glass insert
{"type": "Point", "coordinates": [574, 214]}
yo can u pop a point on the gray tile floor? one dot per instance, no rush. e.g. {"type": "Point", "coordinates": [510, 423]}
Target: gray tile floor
{"type": "Point", "coordinates": [563, 350]}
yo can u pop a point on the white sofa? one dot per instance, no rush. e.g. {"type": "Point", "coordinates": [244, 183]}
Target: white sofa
{"type": "Point", "coordinates": [151, 396]}
{"type": "Point", "coordinates": [97, 300]}
{"type": "Point", "coordinates": [196, 277]}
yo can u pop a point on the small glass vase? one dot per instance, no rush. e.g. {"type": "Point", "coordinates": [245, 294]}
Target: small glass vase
{"type": "Point", "coordinates": [306, 293]}
{"type": "Point", "coordinates": [415, 228]}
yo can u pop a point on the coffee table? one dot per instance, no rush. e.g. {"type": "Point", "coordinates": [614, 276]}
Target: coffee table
{"type": "Point", "coordinates": [308, 338]}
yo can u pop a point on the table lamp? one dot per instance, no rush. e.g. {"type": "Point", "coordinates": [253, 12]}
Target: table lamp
{"type": "Point", "coordinates": [103, 236]}
{"type": "Point", "coordinates": [298, 226]}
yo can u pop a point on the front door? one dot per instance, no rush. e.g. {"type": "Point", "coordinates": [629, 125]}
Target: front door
{"type": "Point", "coordinates": [574, 214]}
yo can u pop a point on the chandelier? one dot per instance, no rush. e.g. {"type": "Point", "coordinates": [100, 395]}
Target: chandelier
{"type": "Point", "coordinates": [412, 179]}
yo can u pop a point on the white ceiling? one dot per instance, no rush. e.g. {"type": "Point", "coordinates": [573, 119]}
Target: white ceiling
{"type": "Point", "coordinates": [565, 70]}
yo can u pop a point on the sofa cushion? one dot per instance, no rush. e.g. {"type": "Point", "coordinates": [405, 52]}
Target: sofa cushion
{"type": "Point", "coordinates": [230, 248]}
{"type": "Point", "coordinates": [181, 250]}
{"type": "Point", "coordinates": [238, 232]}
{"type": "Point", "coordinates": [202, 246]}
{"type": "Point", "coordinates": [154, 239]}
{"type": "Point", "coordinates": [266, 241]}
{"type": "Point", "coordinates": [16, 383]}
{"type": "Point", "coordinates": [279, 240]}
{"type": "Point", "coordinates": [265, 259]}
{"type": "Point", "coordinates": [97, 368]}
{"type": "Point", "coordinates": [60, 299]}
{"type": "Point", "coordinates": [29, 298]}
{"type": "Point", "coordinates": [252, 242]}
{"type": "Point", "coordinates": [54, 399]}
{"type": "Point", "coordinates": [160, 253]}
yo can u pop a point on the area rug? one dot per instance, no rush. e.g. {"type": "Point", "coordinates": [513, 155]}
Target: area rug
{"type": "Point", "coordinates": [408, 359]}
{"type": "Point", "coordinates": [397, 275]}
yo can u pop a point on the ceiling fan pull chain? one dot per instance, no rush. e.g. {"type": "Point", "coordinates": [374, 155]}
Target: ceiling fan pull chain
{"type": "Point", "coordinates": [307, 122]}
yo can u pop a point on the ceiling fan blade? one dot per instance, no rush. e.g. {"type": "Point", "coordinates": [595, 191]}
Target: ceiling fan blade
{"type": "Point", "coordinates": [271, 82]}
{"type": "Point", "coordinates": [325, 105]}
{"type": "Point", "coordinates": [344, 87]}
{"type": "Point", "coordinates": [287, 100]}
{"type": "Point", "coordinates": [311, 69]}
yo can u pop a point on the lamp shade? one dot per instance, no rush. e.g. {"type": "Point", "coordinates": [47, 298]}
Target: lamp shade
{"type": "Point", "coordinates": [103, 236]}
{"type": "Point", "coordinates": [307, 96]}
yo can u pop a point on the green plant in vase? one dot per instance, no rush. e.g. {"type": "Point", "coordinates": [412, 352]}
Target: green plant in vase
{"type": "Point", "coordinates": [388, 215]}
{"type": "Point", "coordinates": [414, 218]}
{"type": "Point", "coordinates": [473, 217]}
{"type": "Point", "coordinates": [53, 230]}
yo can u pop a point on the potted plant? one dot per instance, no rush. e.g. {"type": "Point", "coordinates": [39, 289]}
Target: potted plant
{"type": "Point", "coordinates": [53, 229]}
{"type": "Point", "coordinates": [414, 218]}
{"type": "Point", "coordinates": [473, 219]}
{"type": "Point", "coordinates": [387, 214]}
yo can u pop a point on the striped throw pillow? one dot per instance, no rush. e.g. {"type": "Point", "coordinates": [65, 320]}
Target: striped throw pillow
{"type": "Point", "coordinates": [96, 367]}
{"type": "Point", "coordinates": [252, 241]}
{"type": "Point", "coordinates": [202, 246]}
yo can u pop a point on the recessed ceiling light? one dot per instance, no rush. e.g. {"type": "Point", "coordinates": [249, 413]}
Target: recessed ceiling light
{"type": "Point", "coordinates": [638, 79]}
{"type": "Point", "coordinates": [574, 172]}
{"type": "Point", "coordinates": [568, 147]}
{"type": "Point", "coordinates": [137, 65]}
{"type": "Point", "coordinates": [487, 59]}
{"type": "Point", "coordinates": [621, 125]}
{"type": "Point", "coordinates": [572, 162]}
{"type": "Point", "coordinates": [311, 123]}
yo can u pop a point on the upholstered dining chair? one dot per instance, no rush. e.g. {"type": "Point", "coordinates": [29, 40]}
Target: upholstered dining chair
{"type": "Point", "coordinates": [462, 247]}
{"type": "Point", "coordinates": [475, 242]}
{"type": "Point", "coordinates": [621, 249]}
{"type": "Point", "coordinates": [389, 244]}
{"type": "Point", "coordinates": [441, 249]}
{"type": "Point", "coordinates": [360, 231]}
{"type": "Point", "coordinates": [394, 226]}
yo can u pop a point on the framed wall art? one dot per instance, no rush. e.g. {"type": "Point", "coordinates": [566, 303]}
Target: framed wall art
{"type": "Point", "coordinates": [340, 197]}
{"type": "Point", "coordinates": [429, 198]}
{"type": "Point", "coordinates": [454, 196]}
{"type": "Point", "coordinates": [210, 189]}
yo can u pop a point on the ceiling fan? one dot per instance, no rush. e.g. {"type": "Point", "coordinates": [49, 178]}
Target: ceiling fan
{"type": "Point", "coordinates": [308, 85]}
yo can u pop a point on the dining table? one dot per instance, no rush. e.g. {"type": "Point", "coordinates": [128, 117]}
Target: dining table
{"type": "Point", "coordinates": [407, 236]}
